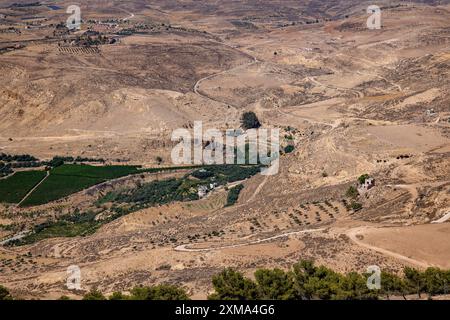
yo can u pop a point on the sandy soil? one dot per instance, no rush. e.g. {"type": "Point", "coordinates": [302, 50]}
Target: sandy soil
{"type": "Point", "coordinates": [427, 243]}
{"type": "Point", "coordinates": [351, 100]}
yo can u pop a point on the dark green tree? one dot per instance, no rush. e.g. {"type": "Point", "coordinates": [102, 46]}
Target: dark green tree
{"type": "Point", "coordinates": [232, 285]}
{"type": "Point", "coordinates": [354, 287]}
{"type": "Point", "coordinates": [414, 280]}
{"type": "Point", "coordinates": [249, 120]}
{"type": "Point", "coordinates": [94, 294]}
{"type": "Point", "coordinates": [392, 284]}
{"type": "Point", "coordinates": [324, 284]}
{"type": "Point", "coordinates": [435, 281]}
{"type": "Point", "coordinates": [288, 149]}
{"type": "Point", "coordinates": [118, 296]}
{"type": "Point", "coordinates": [56, 162]}
{"type": "Point", "coordinates": [233, 195]}
{"type": "Point", "coordinates": [274, 284]}
{"type": "Point", "coordinates": [363, 178]}
{"type": "Point", "coordinates": [301, 272]}
{"type": "Point", "coordinates": [4, 294]}
{"type": "Point", "coordinates": [159, 292]}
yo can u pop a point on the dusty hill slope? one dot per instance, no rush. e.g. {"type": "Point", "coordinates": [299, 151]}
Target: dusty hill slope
{"type": "Point", "coordinates": [351, 101]}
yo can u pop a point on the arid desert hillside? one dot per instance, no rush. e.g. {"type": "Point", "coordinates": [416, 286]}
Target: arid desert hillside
{"type": "Point", "coordinates": [364, 119]}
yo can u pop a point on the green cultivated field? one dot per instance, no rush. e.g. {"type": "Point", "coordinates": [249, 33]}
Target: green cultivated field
{"type": "Point", "coordinates": [103, 172]}
{"type": "Point", "coordinates": [68, 179]}
{"type": "Point", "coordinates": [14, 188]}
{"type": "Point", "coordinates": [58, 186]}
{"type": "Point", "coordinates": [71, 178]}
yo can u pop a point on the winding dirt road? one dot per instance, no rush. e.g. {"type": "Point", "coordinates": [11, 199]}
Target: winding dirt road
{"type": "Point", "coordinates": [183, 247]}
{"type": "Point", "coordinates": [130, 16]}
{"type": "Point", "coordinates": [353, 235]}
{"type": "Point", "coordinates": [196, 88]}
{"type": "Point", "coordinates": [197, 84]}
{"type": "Point", "coordinates": [443, 219]}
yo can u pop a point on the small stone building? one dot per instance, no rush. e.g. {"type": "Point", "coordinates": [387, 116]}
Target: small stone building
{"type": "Point", "coordinates": [368, 184]}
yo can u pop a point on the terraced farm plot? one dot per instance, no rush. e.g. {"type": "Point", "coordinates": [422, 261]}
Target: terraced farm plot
{"type": "Point", "coordinates": [215, 201]}
{"type": "Point", "coordinates": [307, 215]}
{"type": "Point", "coordinates": [14, 188]}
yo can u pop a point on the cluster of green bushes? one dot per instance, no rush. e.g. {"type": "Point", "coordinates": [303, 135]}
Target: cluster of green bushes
{"type": "Point", "coordinates": [304, 281]}
{"type": "Point", "coordinates": [28, 161]}
{"type": "Point", "coordinates": [181, 189]}
{"type": "Point", "coordinates": [352, 192]}
{"type": "Point", "coordinates": [91, 38]}
{"type": "Point", "coordinates": [60, 160]}
{"type": "Point", "coordinates": [233, 195]}
{"type": "Point", "coordinates": [155, 192]}
{"type": "Point", "coordinates": [202, 174]}
{"type": "Point", "coordinates": [159, 292]}
{"type": "Point", "coordinates": [5, 169]}
{"type": "Point", "coordinates": [7, 162]}
{"type": "Point", "coordinates": [26, 164]}
{"type": "Point", "coordinates": [223, 174]}
{"type": "Point", "coordinates": [55, 162]}
{"type": "Point", "coordinates": [17, 158]}
{"type": "Point", "coordinates": [78, 224]}
{"type": "Point", "coordinates": [126, 32]}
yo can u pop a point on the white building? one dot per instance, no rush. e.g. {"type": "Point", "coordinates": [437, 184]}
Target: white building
{"type": "Point", "coordinates": [202, 191]}
{"type": "Point", "coordinates": [368, 184]}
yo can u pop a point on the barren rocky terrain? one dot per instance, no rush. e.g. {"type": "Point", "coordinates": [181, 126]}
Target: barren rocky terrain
{"type": "Point", "coordinates": [351, 101]}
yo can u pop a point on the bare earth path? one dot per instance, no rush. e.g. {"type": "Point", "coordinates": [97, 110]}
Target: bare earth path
{"type": "Point", "coordinates": [352, 234]}
{"type": "Point", "coordinates": [35, 187]}
{"type": "Point", "coordinates": [412, 189]}
{"type": "Point", "coordinates": [183, 247]}
{"type": "Point", "coordinates": [197, 84]}
{"type": "Point", "coordinates": [258, 189]}
{"type": "Point", "coordinates": [131, 15]}
{"type": "Point", "coordinates": [196, 88]}
{"type": "Point", "coordinates": [443, 219]}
